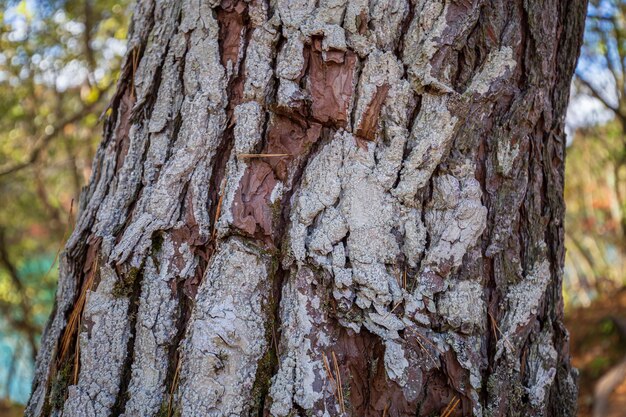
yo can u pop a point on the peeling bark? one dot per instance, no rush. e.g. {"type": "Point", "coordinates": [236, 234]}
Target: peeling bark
{"type": "Point", "coordinates": [342, 207]}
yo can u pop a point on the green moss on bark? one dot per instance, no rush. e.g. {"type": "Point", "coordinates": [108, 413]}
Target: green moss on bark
{"type": "Point", "coordinates": [124, 287]}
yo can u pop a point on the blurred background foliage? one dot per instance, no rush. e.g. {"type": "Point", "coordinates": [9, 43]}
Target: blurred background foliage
{"type": "Point", "coordinates": [595, 219]}
{"type": "Point", "coordinates": [595, 223]}
{"type": "Point", "coordinates": [59, 60]}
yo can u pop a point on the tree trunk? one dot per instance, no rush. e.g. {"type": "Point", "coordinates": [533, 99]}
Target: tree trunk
{"type": "Point", "coordinates": [323, 208]}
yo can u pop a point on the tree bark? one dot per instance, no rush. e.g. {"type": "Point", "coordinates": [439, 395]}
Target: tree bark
{"type": "Point", "coordinates": [323, 208]}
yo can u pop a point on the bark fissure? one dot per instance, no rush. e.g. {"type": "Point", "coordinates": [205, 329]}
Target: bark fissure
{"type": "Point", "coordinates": [133, 292]}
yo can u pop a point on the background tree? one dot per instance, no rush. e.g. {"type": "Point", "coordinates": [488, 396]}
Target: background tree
{"type": "Point", "coordinates": [602, 76]}
{"type": "Point", "coordinates": [596, 217]}
{"type": "Point", "coordinates": [58, 60]}
{"type": "Point", "coordinates": [340, 207]}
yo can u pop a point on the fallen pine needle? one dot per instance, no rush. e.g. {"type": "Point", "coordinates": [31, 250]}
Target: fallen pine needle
{"type": "Point", "coordinates": [261, 155]}
{"type": "Point", "coordinates": [327, 366]}
{"type": "Point", "coordinates": [451, 407]}
{"type": "Point", "coordinates": [218, 209]}
{"type": "Point", "coordinates": [76, 356]}
{"type": "Point", "coordinates": [427, 352]}
{"type": "Point", "coordinates": [77, 347]}
{"type": "Point", "coordinates": [385, 410]}
{"type": "Point", "coordinates": [77, 312]}
{"type": "Point", "coordinates": [173, 389]}
{"type": "Point", "coordinates": [392, 310]}
{"type": "Point", "coordinates": [340, 388]}
{"type": "Point", "coordinates": [337, 391]}
{"type": "Point", "coordinates": [506, 339]}
{"type": "Point", "coordinates": [417, 339]}
{"type": "Point", "coordinates": [445, 410]}
{"type": "Point", "coordinates": [135, 63]}
{"type": "Point", "coordinates": [493, 327]}
{"type": "Point", "coordinates": [427, 341]}
{"type": "Point", "coordinates": [404, 279]}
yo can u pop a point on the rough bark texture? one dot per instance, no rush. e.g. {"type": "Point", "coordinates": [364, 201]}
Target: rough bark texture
{"type": "Point", "coordinates": [405, 256]}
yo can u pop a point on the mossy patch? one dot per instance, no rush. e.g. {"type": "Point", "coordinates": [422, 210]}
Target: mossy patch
{"type": "Point", "coordinates": [264, 373]}
{"type": "Point", "coordinates": [268, 363]}
{"type": "Point", "coordinates": [157, 243]}
{"type": "Point", "coordinates": [59, 386]}
{"type": "Point", "coordinates": [125, 286]}
{"type": "Point", "coordinates": [163, 410]}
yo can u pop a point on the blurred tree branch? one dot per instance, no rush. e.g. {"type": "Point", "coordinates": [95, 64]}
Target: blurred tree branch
{"type": "Point", "coordinates": [25, 324]}
{"type": "Point", "coordinates": [595, 92]}
{"type": "Point", "coordinates": [45, 140]}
